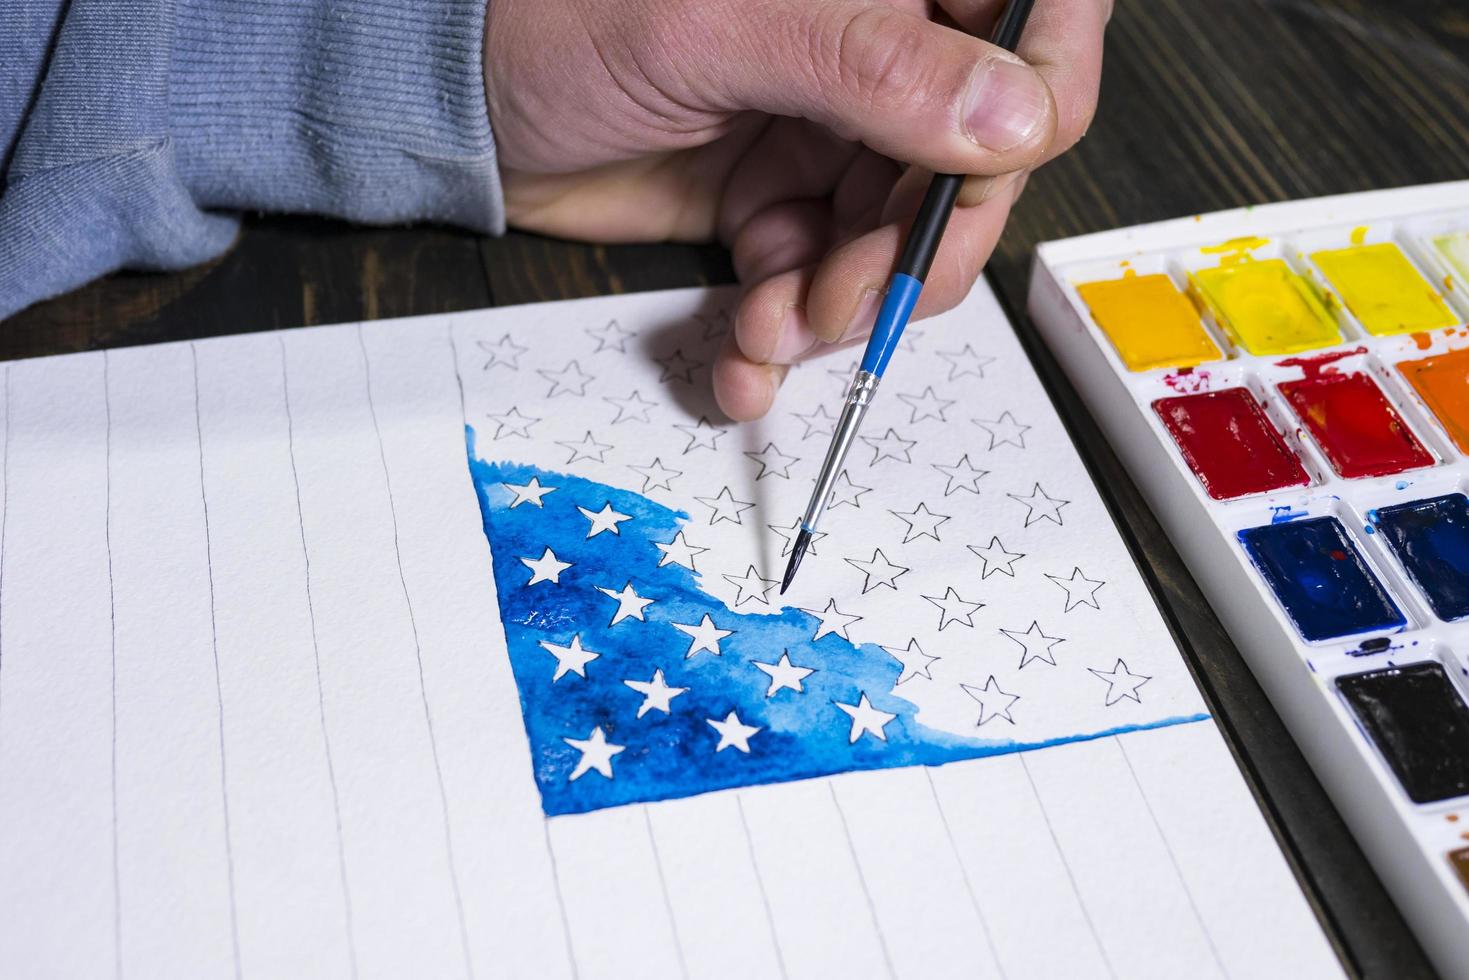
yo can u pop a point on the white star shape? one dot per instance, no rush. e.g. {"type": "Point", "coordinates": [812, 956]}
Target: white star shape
{"type": "Point", "coordinates": [569, 380]}
{"type": "Point", "coordinates": [993, 702]}
{"type": "Point", "coordinates": [996, 558]}
{"type": "Point", "coordinates": [588, 448]}
{"type": "Point", "coordinates": [1004, 431]}
{"type": "Point", "coordinates": [733, 733]}
{"type": "Point", "coordinates": [1034, 644]}
{"type": "Point", "coordinates": [963, 475]}
{"type": "Point", "coordinates": [751, 587]}
{"type": "Point", "coordinates": [629, 603]}
{"type": "Point", "coordinates": [1041, 507]}
{"type": "Point", "coordinates": [546, 568]}
{"type": "Point", "coordinates": [679, 552]}
{"type": "Point", "coordinates": [701, 435]}
{"type": "Point", "coordinates": [503, 351]}
{"type": "Point", "coordinates": [788, 534]}
{"type": "Point", "coordinates": [833, 620]}
{"type": "Point", "coordinates": [1080, 590]}
{"type": "Point", "coordinates": [966, 362]}
{"type": "Point", "coordinates": [922, 523]}
{"type": "Point", "coordinates": [530, 493]}
{"type": "Point", "coordinates": [705, 636]}
{"type": "Point", "coordinates": [676, 367]}
{"type": "Point", "coordinates": [656, 694]}
{"type": "Point", "coordinates": [610, 337]}
{"type": "Point", "coordinates": [633, 408]}
{"type": "Point", "coordinates": [725, 507]}
{"type": "Point", "coordinates": [818, 422]}
{"type": "Point", "coordinates": [844, 491]}
{"type": "Point", "coordinates": [773, 462]}
{"type": "Point", "coordinates": [915, 662]}
{"type": "Point", "coordinates": [879, 571]}
{"type": "Point", "coordinates": [890, 445]}
{"type": "Point", "coordinates": [926, 406]}
{"type": "Point", "coordinates": [865, 719]}
{"type": "Point", "coordinates": [512, 423]}
{"type": "Point", "coordinates": [953, 609]}
{"type": "Point", "coordinates": [1121, 682]}
{"type": "Point", "coordinates": [596, 753]}
{"type": "Point", "coordinates": [910, 340]}
{"type": "Point", "coordinates": [656, 476]}
{"type": "Point", "coordinates": [784, 674]}
{"type": "Point", "coordinates": [569, 659]}
{"type": "Point", "coordinates": [605, 519]}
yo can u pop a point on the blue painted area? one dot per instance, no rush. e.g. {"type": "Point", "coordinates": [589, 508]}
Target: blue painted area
{"type": "Point", "coordinates": [669, 755]}
{"type": "Point", "coordinates": [891, 321]}
{"type": "Point", "coordinates": [1431, 539]}
{"type": "Point", "coordinates": [1285, 512]}
{"type": "Point", "coordinates": [1324, 586]}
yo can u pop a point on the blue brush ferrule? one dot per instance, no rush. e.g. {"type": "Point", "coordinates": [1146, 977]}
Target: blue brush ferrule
{"type": "Point", "coordinates": [897, 307]}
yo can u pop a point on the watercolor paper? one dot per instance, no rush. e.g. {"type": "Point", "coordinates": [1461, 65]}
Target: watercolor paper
{"type": "Point", "coordinates": [1150, 323]}
{"type": "Point", "coordinates": [1266, 307]}
{"type": "Point", "coordinates": [1383, 290]}
{"type": "Point", "coordinates": [261, 714]}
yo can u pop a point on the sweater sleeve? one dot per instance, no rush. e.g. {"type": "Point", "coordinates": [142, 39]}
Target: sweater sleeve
{"type": "Point", "coordinates": [138, 127]}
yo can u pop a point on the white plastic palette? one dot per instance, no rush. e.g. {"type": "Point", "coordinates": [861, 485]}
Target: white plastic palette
{"type": "Point", "coordinates": [1420, 849]}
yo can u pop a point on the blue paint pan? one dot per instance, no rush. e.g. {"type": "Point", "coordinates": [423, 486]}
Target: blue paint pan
{"type": "Point", "coordinates": [1320, 579]}
{"type": "Point", "coordinates": [1431, 539]}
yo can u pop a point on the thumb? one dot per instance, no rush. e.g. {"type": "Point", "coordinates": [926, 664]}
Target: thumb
{"type": "Point", "coordinates": [908, 88]}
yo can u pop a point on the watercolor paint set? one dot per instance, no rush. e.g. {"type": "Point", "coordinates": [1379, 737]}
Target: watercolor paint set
{"type": "Point", "coordinates": [1289, 387]}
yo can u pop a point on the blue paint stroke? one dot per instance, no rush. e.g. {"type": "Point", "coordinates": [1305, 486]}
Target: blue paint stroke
{"type": "Point", "coordinates": [672, 755]}
{"type": "Point", "coordinates": [1285, 512]}
{"type": "Point", "coordinates": [1431, 540]}
{"type": "Point", "coordinates": [1318, 575]}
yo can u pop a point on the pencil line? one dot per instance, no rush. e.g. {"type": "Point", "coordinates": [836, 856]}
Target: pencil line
{"type": "Point", "coordinates": [760, 884]}
{"type": "Point", "coordinates": [683, 967]}
{"type": "Point", "coordinates": [984, 925]}
{"type": "Point", "coordinates": [1066, 866]}
{"type": "Point", "coordinates": [224, 791]}
{"type": "Point", "coordinates": [882, 942]}
{"type": "Point", "coordinates": [1172, 858]}
{"type": "Point", "coordinates": [4, 521]}
{"type": "Point", "coordinates": [560, 901]}
{"type": "Point", "coordinates": [428, 717]}
{"type": "Point", "coordinates": [112, 654]}
{"type": "Point", "coordinates": [331, 772]}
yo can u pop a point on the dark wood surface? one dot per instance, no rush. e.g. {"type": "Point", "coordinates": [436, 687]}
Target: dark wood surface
{"type": "Point", "coordinates": [1206, 104]}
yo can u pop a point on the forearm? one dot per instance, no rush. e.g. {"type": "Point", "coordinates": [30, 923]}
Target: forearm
{"type": "Point", "coordinates": [149, 120]}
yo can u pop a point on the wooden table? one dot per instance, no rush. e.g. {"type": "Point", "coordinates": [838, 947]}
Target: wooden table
{"type": "Point", "coordinates": [1206, 105]}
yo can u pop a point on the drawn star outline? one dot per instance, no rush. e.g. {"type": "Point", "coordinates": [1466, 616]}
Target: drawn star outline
{"type": "Point", "coordinates": [656, 476]}
{"type": "Point", "coordinates": [773, 462]}
{"type": "Point", "coordinates": [878, 571]}
{"type": "Point", "coordinates": [503, 351]}
{"type": "Point", "coordinates": [890, 445]}
{"type": "Point", "coordinates": [1080, 590]}
{"type": "Point", "coordinates": [733, 733]}
{"type": "Point", "coordinates": [569, 380]}
{"type": "Point", "coordinates": [1034, 644]}
{"type": "Point", "coordinates": [788, 536]}
{"type": "Point", "coordinates": [679, 552]}
{"type": "Point", "coordinates": [1004, 431]}
{"type": "Point", "coordinates": [926, 406]}
{"type": "Point", "coordinates": [922, 523]}
{"type": "Point", "coordinates": [866, 720]}
{"type": "Point", "coordinates": [996, 559]}
{"type": "Point", "coordinates": [633, 408]}
{"type": "Point", "coordinates": [915, 663]}
{"type": "Point", "coordinates": [588, 448]}
{"type": "Point", "coordinates": [783, 674]}
{"type": "Point", "coordinates": [702, 435]}
{"type": "Point", "coordinates": [657, 695]}
{"type": "Point", "coordinates": [993, 702]}
{"type": "Point", "coordinates": [832, 620]}
{"type": "Point", "coordinates": [512, 423]}
{"type": "Point", "coordinates": [963, 475]}
{"type": "Point", "coordinates": [953, 609]}
{"type": "Point", "coordinates": [596, 754]}
{"type": "Point", "coordinates": [1121, 682]}
{"type": "Point", "coordinates": [724, 507]}
{"type": "Point", "coordinates": [677, 367]}
{"type": "Point", "coordinates": [610, 337]}
{"type": "Point", "coordinates": [1040, 506]}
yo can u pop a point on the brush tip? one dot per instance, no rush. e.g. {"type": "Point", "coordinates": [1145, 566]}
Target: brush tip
{"type": "Point", "coordinates": [798, 551]}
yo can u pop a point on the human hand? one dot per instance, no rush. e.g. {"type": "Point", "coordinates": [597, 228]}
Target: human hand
{"type": "Point", "coordinates": [785, 128]}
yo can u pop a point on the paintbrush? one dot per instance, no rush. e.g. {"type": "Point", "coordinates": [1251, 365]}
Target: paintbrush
{"type": "Point", "coordinates": [892, 318]}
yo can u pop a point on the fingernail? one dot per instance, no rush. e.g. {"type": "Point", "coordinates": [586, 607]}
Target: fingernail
{"type": "Point", "coordinates": [795, 339]}
{"type": "Point", "coordinates": [1006, 104]}
{"type": "Point", "coordinates": [861, 322]}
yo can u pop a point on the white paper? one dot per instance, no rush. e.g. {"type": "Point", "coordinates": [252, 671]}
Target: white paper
{"type": "Point", "coordinates": [258, 715]}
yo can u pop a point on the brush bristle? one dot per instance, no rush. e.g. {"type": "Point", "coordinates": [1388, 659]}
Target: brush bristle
{"type": "Point", "coordinates": [798, 551]}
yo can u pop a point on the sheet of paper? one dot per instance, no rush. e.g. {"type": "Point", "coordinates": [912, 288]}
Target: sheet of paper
{"type": "Point", "coordinates": [448, 647]}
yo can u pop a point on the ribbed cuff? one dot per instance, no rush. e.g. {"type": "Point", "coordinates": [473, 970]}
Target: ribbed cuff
{"type": "Point", "coordinates": [372, 110]}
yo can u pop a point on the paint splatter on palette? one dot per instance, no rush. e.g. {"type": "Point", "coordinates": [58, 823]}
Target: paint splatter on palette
{"type": "Point", "coordinates": [1290, 387]}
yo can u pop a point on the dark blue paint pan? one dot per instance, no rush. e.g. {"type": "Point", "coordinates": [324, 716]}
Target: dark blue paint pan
{"type": "Point", "coordinates": [1431, 540]}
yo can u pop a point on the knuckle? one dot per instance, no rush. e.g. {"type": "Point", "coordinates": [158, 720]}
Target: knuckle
{"type": "Point", "coordinates": [880, 60]}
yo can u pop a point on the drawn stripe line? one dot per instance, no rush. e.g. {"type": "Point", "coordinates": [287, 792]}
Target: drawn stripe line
{"type": "Point", "coordinates": [418, 656]}
{"type": "Point", "coordinates": [984, 925]}
{"type": "Point", "coordinates": [1172, 858]}
{"type": "Point", "coordinates": [560, 901]}
{"type": "Point", "coordinates": [1066, 865]}
{"type": "Point", "coordinates": [760, 884]}
{"type": "Point", "coordinates": [331, 773]}
{"type": "Point", "coordinates": [882, 942]}
{"type": "Point", "coordinates": [683, 967]}
{"type": "Point", "coordinates": [224, 791]}
{"type": "Point", "coordinates": [112, 654]}
{"type": "Point", "coordinates": [4, 520]}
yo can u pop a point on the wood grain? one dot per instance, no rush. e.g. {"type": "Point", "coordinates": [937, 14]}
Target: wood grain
{"type": "Point", "coordinates": [1205, 105]}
